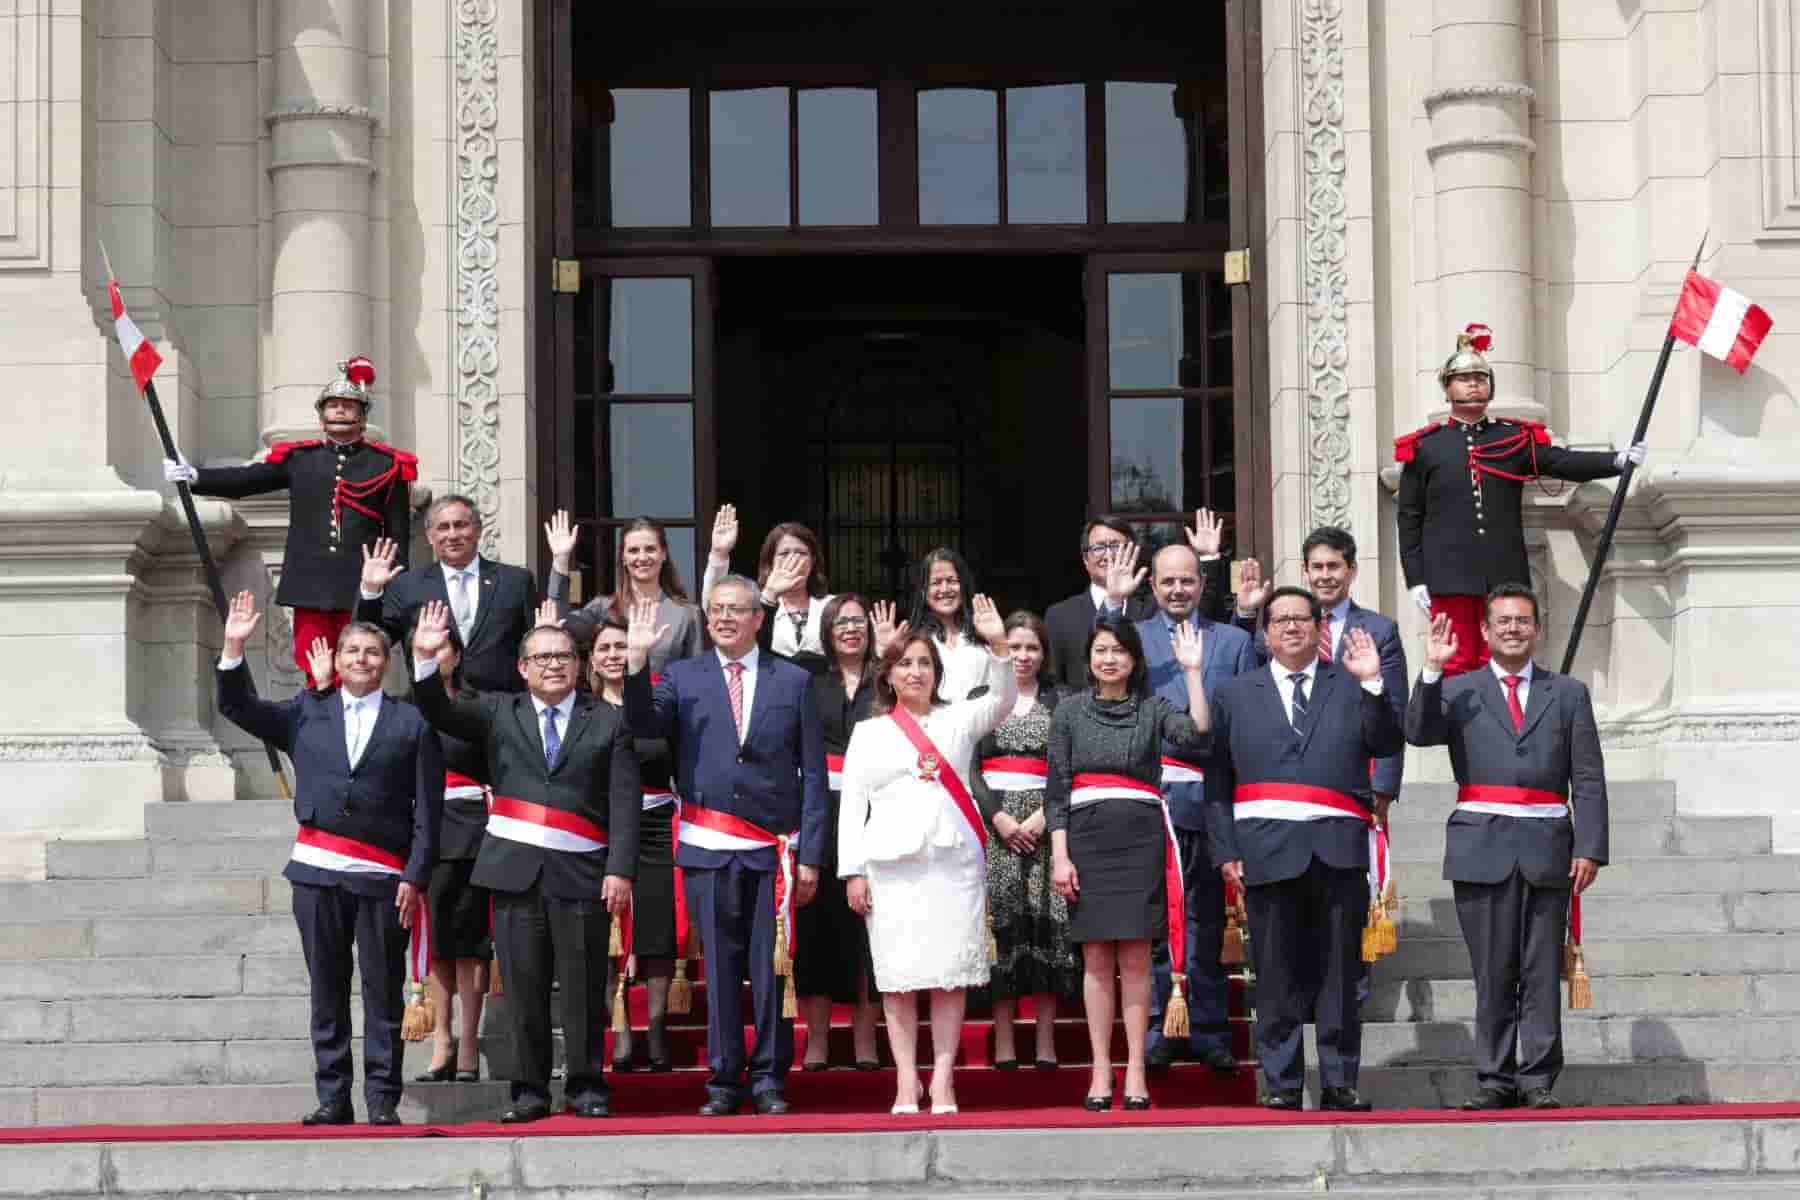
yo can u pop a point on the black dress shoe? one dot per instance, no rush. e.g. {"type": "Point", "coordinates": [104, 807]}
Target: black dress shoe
{"type": "Point", "coordinates": [1006, 1064]}
{"type": "Point", "coordinates": [1540, 1098]}
{"type": "Point", "coordinates": [1160, 1055]}
{"type": "Point", "coordinates": [325, 1114]}
{"type": "Point", "coordinates": [665, 1063]}
{"type": "Point", "coordinates": [815, 1067]}
{"type": "Point", "coordinates": [1046, 1064]}
{"type": "Point", "coordinates": [521, 1114]}
{"type": "Point", "coordinates": [1097, 1103]}
{"type": "Point", "coordinates": [769, 1104]}
{"type": "Point", "coordinates": [1221, 1061]}
{"type": "Point", "coordinates": [384, 1115]}
{"type": "Point", "coordinates": [624, 1066]}
{"type": "Point", "coordinates": [601, 1107]}
{"type": "Point", "coordinates": [1283, 1100]}
{"type": "Point", "coordinates": [1137, 1103]}
{"type": "Point", "coordinates": [1342, 1099]}
{"type": "Point", "coordinates": [443, 1074]}
{"type": "Point", "coordinates": [868, 1064]}
{"type": "Point", "coordinates": [719, 1106]}
{"type": "Point", "coordinates": [1492, 1100]}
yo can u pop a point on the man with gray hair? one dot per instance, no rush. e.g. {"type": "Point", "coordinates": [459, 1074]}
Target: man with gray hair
{"type": "Point", "coordinates": [492, 605]}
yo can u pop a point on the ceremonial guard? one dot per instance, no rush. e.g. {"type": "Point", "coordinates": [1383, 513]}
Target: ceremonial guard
{"type": "Point", "coordinates": [369, 793]}
{"type": "Point", "coordinates": [1528, 835]}
{"type": "Point", "coordinates": [1462, 484]}
{"type": "Point", "coordinates": [343, 493]}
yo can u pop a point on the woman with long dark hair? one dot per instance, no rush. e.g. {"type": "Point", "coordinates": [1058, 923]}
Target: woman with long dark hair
{"type": "Point", "coordinates": [645, 572]}
{"type": "Point", "coordinates": [943, 586]}
{"type": "Point", "coordinates": [1109, 836]}
{"type": "Point", "coordinates": [791, 584]}
{"type": "Point", "coordinates": [832, 959]}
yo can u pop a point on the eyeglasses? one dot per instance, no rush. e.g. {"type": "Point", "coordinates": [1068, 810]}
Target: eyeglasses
{"type": "Point", "coordinates": [850, 623]}
{"type": "Point", "coordinates": [1281, 622]}
{"type": "Point", "coordinates": [740, 611]}
{"type": "Point", "coordinates": [1512, 622]}
{"type": "Point", "coordinates": [1102, 549]}
{"type": "Point", "coordinates": [551, 658]}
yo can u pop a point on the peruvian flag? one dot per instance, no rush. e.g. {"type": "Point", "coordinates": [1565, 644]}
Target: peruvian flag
{"type": "Point", "coordinates": [140, 353]}
{"type": "Point", "coordinates": [1720, 321]}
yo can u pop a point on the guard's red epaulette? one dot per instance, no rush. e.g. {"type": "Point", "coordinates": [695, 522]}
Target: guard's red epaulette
{"type": "Point", "coordinates": [280, 450]}
{"type": "Point", "coordinates": [1407, 444]}
{"type": "Point", "coordinates": [409, 462]}
{"type": "Point", "coordinates": [1539, 432]}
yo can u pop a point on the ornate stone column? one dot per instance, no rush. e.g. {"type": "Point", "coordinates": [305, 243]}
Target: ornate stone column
{"type": "Point", "coordinates": [320, 131]}
{"type": "Point", "coordinates": [1480, 152]}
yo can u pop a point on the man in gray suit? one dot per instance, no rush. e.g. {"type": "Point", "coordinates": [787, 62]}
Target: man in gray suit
{"type": "Point", "coordinates": [1529, 830]}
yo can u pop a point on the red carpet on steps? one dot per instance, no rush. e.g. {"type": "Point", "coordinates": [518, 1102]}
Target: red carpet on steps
{"type": "Point", "coordinates": [1065, 1116]}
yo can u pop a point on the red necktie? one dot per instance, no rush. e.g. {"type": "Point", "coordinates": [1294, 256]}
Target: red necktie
{"type": "Point", "coordinates": [1325, 639]}
{"type": "Point", "coordinates": [734, 687]}
{"type": "Point", "coordinates": [1512, 683]}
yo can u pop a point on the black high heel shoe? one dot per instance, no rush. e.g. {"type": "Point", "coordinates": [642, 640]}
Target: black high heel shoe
{"type": "Point", "coordinates": [443, 1074]}
{"type": "Point", "coordinates": [1098, 1103]}
{"type": "Point", "coordinates": [1137, 1103]}
{"type": "Point", "coordinates": [657, 1052]}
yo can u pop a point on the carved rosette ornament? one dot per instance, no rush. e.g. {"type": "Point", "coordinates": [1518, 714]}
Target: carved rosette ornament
{"type": "Point", "coordinates": [477, 350]}
{"type": "Point", "coordinates": [1327, 336]}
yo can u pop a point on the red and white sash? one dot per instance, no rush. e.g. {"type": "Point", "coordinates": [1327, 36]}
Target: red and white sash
{"type": "Point", "coordinates": [331, 852]}
{"type": "Point", "coordinates": [1510, 801]}
{"type": "Point", "coordinates": [1015, 772]}
{"type": "Point", "coordinates": [458, 786]}
{"type": "Point", "coordinates": [1275, 801]}
{"type": "Point", "coordinates": [1091, 787]}
{"type": "Point", "coordinates": [518, 820]}
{"type": "Point", "coordinates": [834, 772]}
{"type": "Point", "coordinates": [710, 829]}
{"type": "Point", "coordinates": [942, 770]}
{"type": "Point", "coordinates": [655, 798]}
{"type": "Point", "coordinates": [1176, 771]}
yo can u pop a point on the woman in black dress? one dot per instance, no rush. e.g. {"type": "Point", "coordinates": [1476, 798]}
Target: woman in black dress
{"type": "Point", "coordinates": [832, 960]}
{"type": "Point", "coordinates": [1108, 834]}
{"type": "Point", "coordinates": [653, 939]}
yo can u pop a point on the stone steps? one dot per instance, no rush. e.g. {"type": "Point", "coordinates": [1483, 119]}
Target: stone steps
{"type": "Point", "coordinates": [1679, 836]}
{"type": "Point", "coordinates": [1706, 954]}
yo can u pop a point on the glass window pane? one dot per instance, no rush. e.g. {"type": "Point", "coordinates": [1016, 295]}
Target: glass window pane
{"type": "Point", "coordinates": [1153, 330]}
{"type": "Point", "coordinates": [839, 180]}
{"type": "Point", "coordinates": [1046, 155]}
{"type": "Point", "coordinates": [750, 157]}
{"type": "Point", "coordinates": [652, 343]}
{"type": "Point", "coordinates": [1146, 154]}
{"type": "Point", "coordinates": [959, 157]}
{"type": "Point", "coordinates": [681, 553]}
{"type": "Point", "coordinates": [650, 157]}
{"type": "Point", "coordinates": [1146, 455]}
{"type": "Point", "coordinates": [653, 460]}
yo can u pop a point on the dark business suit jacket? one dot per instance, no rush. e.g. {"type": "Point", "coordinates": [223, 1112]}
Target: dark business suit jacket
{"type": "Point", "coordinates": [392, 798]}
{"type": "Point", "coordinates": [775, 779]}
{"type": "Point", "coordinates": [595, 776]}
{"type": "Point", "coordinates": [1254, 743]}
{"type": "Point", "coordinates": [1226, 651]}
{"type": "Point", "coordinates": [504, 614]}
{"type": "Point", "coordinates": [1385, 631]}
{"type": "Point", "coordinates": [1558, 751]}
{"type": "Point", "coordinates": [1068, 623]}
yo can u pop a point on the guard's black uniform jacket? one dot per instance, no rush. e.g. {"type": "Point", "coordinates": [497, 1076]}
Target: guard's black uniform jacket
{"type": "Point", "coordinates": [340, 499]}
{"type": "Point", "coordinates": [1461, 490]}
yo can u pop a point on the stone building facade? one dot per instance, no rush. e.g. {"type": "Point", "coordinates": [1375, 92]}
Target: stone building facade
{"type": "Point", "coordinates": [280, 183]}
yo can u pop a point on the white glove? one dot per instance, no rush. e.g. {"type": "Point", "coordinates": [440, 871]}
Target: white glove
{"type": "Point", "coordinates": [1634, 454]}
{"type": "Point", "coordinates": [1422, 598]}
{"type": "Point", "coordinates": [178, 470]}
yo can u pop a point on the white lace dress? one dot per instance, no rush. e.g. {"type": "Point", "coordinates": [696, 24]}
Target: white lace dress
{"type": "Point", "coordinates": [927, 872]}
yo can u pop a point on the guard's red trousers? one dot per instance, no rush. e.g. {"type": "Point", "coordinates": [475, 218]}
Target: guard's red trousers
{"type": "Point", "coordinates": [327, 623]}
{"type": "Point", "coordinates": [1465, 621]}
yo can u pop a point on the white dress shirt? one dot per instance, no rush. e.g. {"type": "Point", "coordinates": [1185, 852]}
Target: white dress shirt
{"type": "Point", "coordinates": [749, 681]}
{"type": "Point", "coordinates": [1430, 676]}
{"type": "Point", "coordinates": [360, 715]}
{"type": "Point", "coordinates": [565, 708]}
{"type": "Point", "coordinates": [1285, 686]}
{"type": "Point", "coordinates": [471, 591]}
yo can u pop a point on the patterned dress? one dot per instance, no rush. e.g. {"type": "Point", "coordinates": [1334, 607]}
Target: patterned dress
{"type": "Point", "coordinates": [1031, 922]}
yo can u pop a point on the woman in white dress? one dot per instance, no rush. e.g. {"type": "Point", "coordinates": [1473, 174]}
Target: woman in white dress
{"type": "Point", "coordinates": [941, 609]}
{"type": "Point", "coordinates": [911, 846]}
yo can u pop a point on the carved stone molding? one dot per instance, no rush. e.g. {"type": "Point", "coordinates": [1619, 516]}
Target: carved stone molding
{"type": "Point", "coordinates": [353, 161]}
{"type": "Point", "coordinates": [1779, 128]}
{"type": "Point", "coordinates": [78, 747]}
{"type": "Point", "coordinates": [476, 102]}
{"type": "Point", "coordinates": [1326, 279]}
{"type": "Point", "coordinates": [25, 123]}
{"type": "Point", "coordinates": [311, 110]}
{"type": "Point", "coordinates": [1700, 727]}
{"type": "Point", "coordinates": [1436, 99]}
{"type": "Point", "coordinates": [1524, 146]}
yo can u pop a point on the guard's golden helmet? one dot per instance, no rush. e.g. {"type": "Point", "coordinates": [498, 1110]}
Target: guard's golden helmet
{"type": "Point", "coordinates": [355, 377]}
{"type": "Point", "coordinates": [1472, 345]}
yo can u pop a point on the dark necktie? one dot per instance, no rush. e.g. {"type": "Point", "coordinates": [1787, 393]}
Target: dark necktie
{"type": "Point", "coordinates": [1298, 679]}
{"type": "Point", "coordinates": [1512, 683]}
{"type": "Point", "coordinates": [552, 739]}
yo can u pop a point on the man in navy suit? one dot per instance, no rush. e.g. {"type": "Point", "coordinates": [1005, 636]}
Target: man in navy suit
{"type": "Point", "coordinates": [492, 605]}
{"type": "Point", "coordinates": [1178, 583]}
{"type": "Point", "coordinates": [750, 760]}
{"type": "Point", "coordinates": [370, 777]}
{"type": "Point", "coordinates": [1289, 818]}
{"type": "Point", "coordinates": [1529, 832]}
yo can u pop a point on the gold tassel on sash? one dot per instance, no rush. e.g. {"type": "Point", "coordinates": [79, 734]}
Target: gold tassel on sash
{"type": "Point", "coordinates": [420, 1019]}
{"type": "Point", "coordinates": [621, 1020]}
{"type": "Point", "coordinates": [1387, 932]}
{"type": "Point", "coordinates": [993, 946]}
{"type": "Point", "coordinates": [1175, 1016]}
{"type": "Point", "coordinates": [1371, 935]}
{"type": "Point", "coordinates": [1581, 988]}
{"type": "Point", "coordinates": [1231, 953]}
{"type": "Point", "coordinates": [615, 940]}
{"type": "Point", "coordinates": [784, 966]}
{"type": "Point", "coordinates": [681, 991]}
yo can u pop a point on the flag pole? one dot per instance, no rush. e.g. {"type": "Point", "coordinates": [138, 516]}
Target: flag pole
{"type": "Point", "coordinates": [1610, 528]}
{"type": "Point", "coordinates": [214, 582]}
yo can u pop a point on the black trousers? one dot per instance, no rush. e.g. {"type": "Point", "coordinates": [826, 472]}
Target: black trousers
{"type": "Point", "coordinates": [1208, 988]}
{"type": "Point", "coordinates": [537, 938]}
{"type": "Point", "coordinates": [338, 930]}
{"type": "Point", "coordinates": [1514, 931]}
{"type": "Point", "coordinates": [1306, 935]}
{"type": "Point", "coordinates": [734, 909]}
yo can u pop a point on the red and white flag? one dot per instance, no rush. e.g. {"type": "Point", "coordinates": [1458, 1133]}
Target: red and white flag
{"type": "Point", "coordinates": [140, 352]}
{"type": "Point", "coordinates": [1720, 321]}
